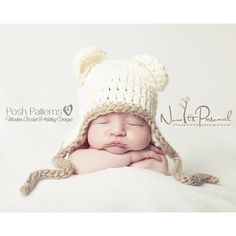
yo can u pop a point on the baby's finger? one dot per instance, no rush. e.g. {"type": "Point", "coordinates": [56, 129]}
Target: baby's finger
{"type": "Point", "coordinates": [163, 158]}
{"type": "Point", "coordinates": [156, 149]}
{"type": "Point", "coordinates": [154, 155]}
{"type": "Point", "coordinates": [158, 157]}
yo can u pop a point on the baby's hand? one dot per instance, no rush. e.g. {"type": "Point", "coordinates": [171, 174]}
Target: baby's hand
{"type": "Point", "coordinates": [149, 152]}
{"type": "Point", "coordinates": [154, 159]}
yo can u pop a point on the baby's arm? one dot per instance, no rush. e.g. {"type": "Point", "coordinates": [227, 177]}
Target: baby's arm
{"type": "Point", "coordinates": [91, 160]}
{"type": "Point", "coordinates": [151, 164]}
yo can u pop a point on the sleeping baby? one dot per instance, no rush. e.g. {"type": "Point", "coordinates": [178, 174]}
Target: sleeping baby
{"type": "Point", "coordinates": [115, 140]}
{"type": "Point", "coordinates": [117, 123]}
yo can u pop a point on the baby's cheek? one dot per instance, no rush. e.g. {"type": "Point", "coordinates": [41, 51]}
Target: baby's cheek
{"type": "Point", "coordinates": [95, 137]}
{"type": "Point", "coordinates": [140, 139]}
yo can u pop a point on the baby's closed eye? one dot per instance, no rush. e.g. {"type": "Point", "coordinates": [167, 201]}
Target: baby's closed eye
{"type": "Point", "coordinates": [134, 124]}
{"type": "Point", "coordinates": [101, 120]}
{"type": "Point", "coordinates": [128, 121]}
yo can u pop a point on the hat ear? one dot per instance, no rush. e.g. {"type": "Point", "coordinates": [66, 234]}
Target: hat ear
{"type": "Point", "coordinates": [84, 60]}
{"type": "Point", "coordinates": [154, 66]}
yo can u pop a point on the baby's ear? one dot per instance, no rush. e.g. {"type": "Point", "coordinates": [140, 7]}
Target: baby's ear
{"type": "Point", "coordinates": [154, 66]}
{"type": "Point", "coordinates": [84, 60]}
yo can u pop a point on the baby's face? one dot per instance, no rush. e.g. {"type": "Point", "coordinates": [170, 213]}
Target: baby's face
{"type": "Point", "coordinates": [118, 133]}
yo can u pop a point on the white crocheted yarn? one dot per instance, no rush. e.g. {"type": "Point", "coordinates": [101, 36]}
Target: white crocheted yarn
{"type": "Point", "coordinates": [84, 60]}
{"type": "Point", "coordinates": [135, 82]}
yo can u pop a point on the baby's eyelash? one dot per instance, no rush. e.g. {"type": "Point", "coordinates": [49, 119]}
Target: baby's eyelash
{"type": "Point", "coordinates": [129, 123]}
{"type": "Point", "coordinates": [134, 124]}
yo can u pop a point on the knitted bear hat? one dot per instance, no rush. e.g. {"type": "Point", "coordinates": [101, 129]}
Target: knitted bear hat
{"type": "Point", "coordinates": [115, 86]}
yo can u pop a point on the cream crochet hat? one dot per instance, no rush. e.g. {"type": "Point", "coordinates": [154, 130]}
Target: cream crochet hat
{"type": "Point", "coordinates": [115, 86]}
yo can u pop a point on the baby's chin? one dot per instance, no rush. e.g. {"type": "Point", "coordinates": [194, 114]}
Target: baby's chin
{"type": "Point", "coordinates": [117, 150]}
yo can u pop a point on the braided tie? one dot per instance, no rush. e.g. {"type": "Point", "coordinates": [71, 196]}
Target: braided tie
{"type": "Point", "coordinates": [38, 175]}
{"type": "Point", "coordinates": [66, 170]}
{"type": "Point", "coordinates": [196, 179]}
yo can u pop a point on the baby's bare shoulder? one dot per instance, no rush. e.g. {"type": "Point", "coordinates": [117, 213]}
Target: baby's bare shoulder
{"type": "Point", "coordinates": [75, 153]}
{"type": "Point", "coordinates": [82, 151]}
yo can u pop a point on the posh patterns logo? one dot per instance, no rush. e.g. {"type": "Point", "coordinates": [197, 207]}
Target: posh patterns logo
{"type": "Point", "coordinates": [33, 114]}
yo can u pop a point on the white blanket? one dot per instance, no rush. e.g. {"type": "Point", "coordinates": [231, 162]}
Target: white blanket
{"type": "Point", "coordinates": [121, 189]}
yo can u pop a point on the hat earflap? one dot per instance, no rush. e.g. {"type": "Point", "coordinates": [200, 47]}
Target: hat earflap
{"type": "Point", "coordinates": [84, 60]}
{"type": "Point", "coordinates": [156, 69]}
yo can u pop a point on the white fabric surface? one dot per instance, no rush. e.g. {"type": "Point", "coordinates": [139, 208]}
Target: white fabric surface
{"type": "Point", "coordinates": [122, 189]}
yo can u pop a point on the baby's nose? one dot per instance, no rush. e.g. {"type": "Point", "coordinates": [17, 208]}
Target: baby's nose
{"type": "Point", "coordinates": [118, 131]}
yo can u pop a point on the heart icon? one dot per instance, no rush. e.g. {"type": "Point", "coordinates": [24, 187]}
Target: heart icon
{"type": "Point", "coordinates": [68, 109]}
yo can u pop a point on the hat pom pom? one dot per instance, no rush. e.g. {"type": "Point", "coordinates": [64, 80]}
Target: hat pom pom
{"type": "Point", "coordinates": [154, 66]}
{"type": "Point", "coordinates": [84, 60]}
